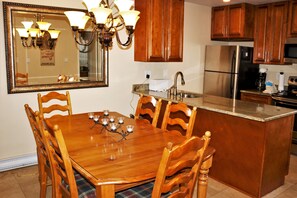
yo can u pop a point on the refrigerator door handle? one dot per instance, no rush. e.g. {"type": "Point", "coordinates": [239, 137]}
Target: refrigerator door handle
{"type": "Point", "coordinates": [233, 62]}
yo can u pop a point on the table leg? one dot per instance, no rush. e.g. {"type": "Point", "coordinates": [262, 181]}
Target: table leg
{"type": "Point", "coordinates": [105, 191]}
{"type": "Point", "coordinates": [203, 178]}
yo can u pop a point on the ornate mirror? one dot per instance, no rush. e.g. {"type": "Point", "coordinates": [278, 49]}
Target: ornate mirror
{"type": "Point", "coordinates": [44, 63]}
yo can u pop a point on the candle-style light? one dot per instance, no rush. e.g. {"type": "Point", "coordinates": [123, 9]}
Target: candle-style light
{"type": "Point", "coordinates": [104, 23]}
{"type": "Point", "coordinates": [109, 124]}
{"type": "Point", "coordinates": [34, 36]}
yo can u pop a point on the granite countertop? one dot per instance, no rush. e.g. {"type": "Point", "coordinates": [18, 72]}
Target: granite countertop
{"type": "Point", "coordinates": [248, 110]}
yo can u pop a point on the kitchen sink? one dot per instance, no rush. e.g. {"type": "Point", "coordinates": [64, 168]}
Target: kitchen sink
{"type": "Point", "coordinates": [184, 94]}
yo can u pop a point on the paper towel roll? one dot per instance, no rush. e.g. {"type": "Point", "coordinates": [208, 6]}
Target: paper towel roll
{"type": "Point", "coordinates": [281, 81]}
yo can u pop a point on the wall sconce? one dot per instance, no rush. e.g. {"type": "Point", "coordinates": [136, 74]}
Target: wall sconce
{"type": "Point", "coordinates": [35, 36]}
{"type": "Point", "coordinates": [104, 22]}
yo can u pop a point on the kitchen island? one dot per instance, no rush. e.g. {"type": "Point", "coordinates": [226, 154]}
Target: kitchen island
{"type": "Point", "coordinates": [252, 141]}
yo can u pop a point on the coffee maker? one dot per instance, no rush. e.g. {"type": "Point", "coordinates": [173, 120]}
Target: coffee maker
{"type": "Point", "coordinates": [260, 83]}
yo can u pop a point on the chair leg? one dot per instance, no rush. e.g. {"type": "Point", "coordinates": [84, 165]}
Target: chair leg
{"type": "Point", "coordinates": [43, 182]}
{"type": "Point", "coordinates": [203, 178]}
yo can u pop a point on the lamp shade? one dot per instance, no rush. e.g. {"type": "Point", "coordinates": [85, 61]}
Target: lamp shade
{"type": "Point", "coordinates": [33, 32]}
{"type": "Point", "coordinates": [74, 17]}
{"type": "Point", "coordinates": [83, 22]}
{"type": "Point", "coordinates": [90, 4]}
{"type": "Point", "coordinates": [124, 5]}
{"type": "Point", "coordinates": [43, 25]}
{"type": "Point", "coordinates": [54, 33]}
{"type": "Point", "coordinates": [130, 17]}
{"type": "Point", "coordinates": [101, 14]}
{"type": "Point", "coordinates": [23, 32]}
{"type": "Point", "coordinates": [27, 24]}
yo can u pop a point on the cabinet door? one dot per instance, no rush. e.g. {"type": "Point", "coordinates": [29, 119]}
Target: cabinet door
{"type": "Point", "coordinates": [149, 31]}
{"type": "Point", "coordinates": [257, 98]}
{"type": "Point", "coordinates": [236, 21]}
{"type": "Point", "coordinates": [141, 34]}
{"type": "Point", "coordinates": [219, 20]}
{"type": "Point", "coordinates": [292, 24]}
{"type": "Point", "coordinates": [157, 29]}
{"type": "Point", "coordinates": [277, 32]}
{"type": "Point", "coordinates": [261, 30]}
{"type": "Point", "coordinates": [174, 16]}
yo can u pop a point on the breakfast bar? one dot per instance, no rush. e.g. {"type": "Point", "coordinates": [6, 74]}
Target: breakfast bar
{"type": "Point", "coordinates": [252, 140]}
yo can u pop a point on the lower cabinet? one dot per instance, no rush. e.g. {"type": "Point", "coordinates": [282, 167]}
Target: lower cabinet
{"type": "Point", "coordinates": [257, 98]}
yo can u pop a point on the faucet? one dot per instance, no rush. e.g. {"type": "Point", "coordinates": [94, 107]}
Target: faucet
{"type": "Point", "coordinates": [173, 88]}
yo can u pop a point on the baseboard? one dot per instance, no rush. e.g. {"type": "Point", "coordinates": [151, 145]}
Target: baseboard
{"type": "Point", "coordinates": [18, 162]}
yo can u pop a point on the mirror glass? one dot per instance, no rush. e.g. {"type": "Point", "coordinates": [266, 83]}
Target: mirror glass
{"type": "Point", "coordinates": [50, 64]}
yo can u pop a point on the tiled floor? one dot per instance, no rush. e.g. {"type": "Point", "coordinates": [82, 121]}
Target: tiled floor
{"type": "Point", "coordinates": [23, 183]}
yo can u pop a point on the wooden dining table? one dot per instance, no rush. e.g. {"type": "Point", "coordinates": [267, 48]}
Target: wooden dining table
{"type": "Point", "coordinates": [113, 163]}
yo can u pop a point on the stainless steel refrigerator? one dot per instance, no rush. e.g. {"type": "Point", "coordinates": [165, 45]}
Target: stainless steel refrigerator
{"type": "Point", "coordinates": [229, 69]}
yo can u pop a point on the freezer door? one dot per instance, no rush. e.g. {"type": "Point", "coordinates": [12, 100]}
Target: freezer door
{"type": "Point", "coordinates": [220, 84]}
{"type": "Point", "coordinates": [221, 58]}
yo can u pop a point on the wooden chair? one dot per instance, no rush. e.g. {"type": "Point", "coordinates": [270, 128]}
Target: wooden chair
{"type": "Point", "coordinates": [21, 79]}
{"type": "Point", "coordinates": [178, 171]}
{"type": "Point", "coordinates": [54, 107]}
{"type": "Point", "coordinates": [43, 163]}
{"type": "Point", "coordinates": [148, 108]}
{"type": "Point", "coordinates": [179, 117]}
{"type": "Point", "coordinates": [67, 183]}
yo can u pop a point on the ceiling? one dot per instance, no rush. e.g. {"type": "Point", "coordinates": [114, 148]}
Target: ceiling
{"type": "Point", "coordinates": [220, 2]}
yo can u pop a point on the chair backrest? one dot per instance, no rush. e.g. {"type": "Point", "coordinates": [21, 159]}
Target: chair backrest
{"type": "Point", "coordinates": [64, 182]}
{"type": "Point", "coordinates": [179, 167]}
{"type": "Point", "coordinates": [54, 107]}
{"type": "Point", "coordinates": [148, 108]}
{"type": "Point", "coordinates": [43, 161]}
{"type": "Point", "coordinates": [21, 79]}
{"type": "Point", "coordinates": [179, 117]}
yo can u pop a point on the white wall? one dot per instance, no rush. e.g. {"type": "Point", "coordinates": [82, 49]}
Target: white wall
{"type": "Point", "coordinates": [16, 139]}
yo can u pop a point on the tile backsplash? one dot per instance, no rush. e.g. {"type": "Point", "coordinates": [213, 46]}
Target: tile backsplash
{"type": "Point", "coordinates": [274, 70]}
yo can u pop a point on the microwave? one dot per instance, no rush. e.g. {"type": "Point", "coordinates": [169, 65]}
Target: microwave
{"type": "Point", "coordinates": [290, 51]}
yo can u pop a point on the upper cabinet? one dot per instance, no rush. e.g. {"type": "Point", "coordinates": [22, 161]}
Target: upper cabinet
{"type": "Point", "coordinates": [159, 31]}
{"type": "Point", "coordinates": [292, 23]}
{"type": "Point", "coordinates": [234, 22]}
{"type": "Point", "coordinates": [270, 32]}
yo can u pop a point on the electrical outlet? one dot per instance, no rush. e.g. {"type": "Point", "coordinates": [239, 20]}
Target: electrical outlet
{"type": "Point", "coordinates": [147, 74]}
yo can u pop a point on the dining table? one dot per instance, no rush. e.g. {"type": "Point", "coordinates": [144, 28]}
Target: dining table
{"type": "Point", "coordinates": [115, 159]}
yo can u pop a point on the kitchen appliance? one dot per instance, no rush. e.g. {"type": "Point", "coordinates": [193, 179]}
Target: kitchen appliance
{"type": "Point", "coordinates": [288, 99]}
{"type": "Point", "coordinates": [229, 69]}
{"type": "Point", "coordinates": [159, 84]}
{"type": "Point", "coordinates": [290, 51]}
{"type": "Point", "coordinates": [261, 79]}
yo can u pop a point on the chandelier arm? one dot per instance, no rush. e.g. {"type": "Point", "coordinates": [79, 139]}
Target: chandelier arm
{"type": "Point", "coordinates": [24, 43]}
{"type": "Point", "coordinates": [127, 43]}
{"type": "Point", "coordinates": [78, 39]}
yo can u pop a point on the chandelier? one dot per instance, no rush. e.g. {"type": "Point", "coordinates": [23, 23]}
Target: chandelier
{"type": "Point", "coordinates": [37, 35]}
{"type": "Point", "coordinates": [104, 23]}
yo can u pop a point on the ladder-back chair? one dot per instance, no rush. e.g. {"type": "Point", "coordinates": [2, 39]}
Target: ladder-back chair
{"type": "Point", "coordinates": [67, 183]}
{"type": "Point", "coordinates": [21, 79]}
{"type": "Point", "coordinates": [177, 173]}
{"type": "Point", "coordinates": [42, 157]}
{"type": "Point", "coordinates": [50, 97]}
{"type": "Point", "coordinates": [148, 108]}
{"type": "Point", "coordinates": [179, 117]}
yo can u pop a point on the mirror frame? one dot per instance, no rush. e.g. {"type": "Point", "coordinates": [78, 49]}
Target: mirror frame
{"type": "Point", "coordinates": [8, 7]}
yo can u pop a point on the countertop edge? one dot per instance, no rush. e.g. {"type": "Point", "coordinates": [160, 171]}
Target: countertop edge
{"type": "Point", "coordinates": [188, 102]}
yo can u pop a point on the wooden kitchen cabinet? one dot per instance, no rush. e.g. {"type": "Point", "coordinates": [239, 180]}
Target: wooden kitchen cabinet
{"type": "Point", "coordinates": [233, 22]}
{"type": "Point", "coordinates": [159, 31]}
{"type": "Point", "coordinates": [292, 23]}
{"type": "Point", "coordinates": [256, 97]}
{"type": "Point", "coordinates": [270, 32]}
